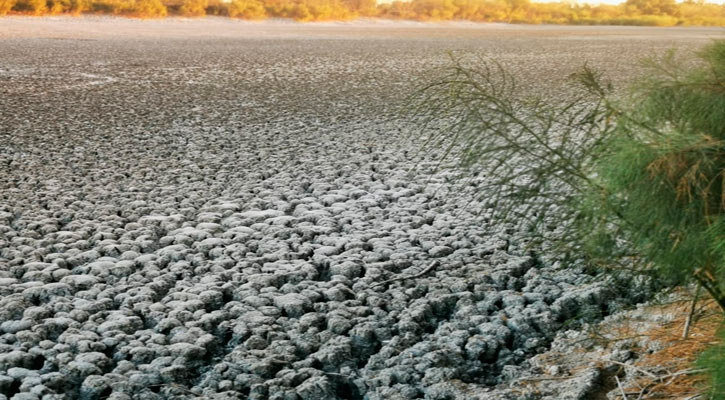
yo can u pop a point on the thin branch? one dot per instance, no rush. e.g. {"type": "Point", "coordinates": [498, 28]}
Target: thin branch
{"type": "Point", "coordinates": [621, 389]}
{"type": "Point", "coordinates": [432, 266]}
{"type": "Point", "coordinates": [688, 321]}
{"type": "Point", "coordinates": [638, 369]}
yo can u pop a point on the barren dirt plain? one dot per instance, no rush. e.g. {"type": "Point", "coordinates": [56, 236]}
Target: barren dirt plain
{"type": "Point", "coordinates": [202, 209]}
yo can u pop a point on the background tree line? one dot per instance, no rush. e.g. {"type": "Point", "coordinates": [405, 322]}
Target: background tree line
{"type": "Point", "coordinates": [632, 12]}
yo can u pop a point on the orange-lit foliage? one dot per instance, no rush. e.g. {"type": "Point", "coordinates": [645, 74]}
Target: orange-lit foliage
{"type": "Point", "coordinates": [193, 8]}
{"type": "Point", "coordinates": [363, 8]}
{"type": "Point", "coordinates": [652, 7]}
{"type": "Point", "coordinates": [632, 12]}
{"type": "Point", "coordinates": [146, 9]}
{"type": "Point", "coordinates": [114, 7]}
{"type": "Point", "coordinates": [247, 9]}
{"type": "Point", "coordinates": [32, 7]}
{"type": "Point", "coordinates": [6, 6]}
{"type": "Point", "coordinates": [308, 10]}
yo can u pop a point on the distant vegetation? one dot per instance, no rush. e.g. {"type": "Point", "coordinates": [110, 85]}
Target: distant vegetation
{"type": "Point", "coordinates": [633, 12]}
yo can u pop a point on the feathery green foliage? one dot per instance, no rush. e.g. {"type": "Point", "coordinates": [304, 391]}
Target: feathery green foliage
{"type": "Point", "coordinates": [638, 183]}
{"type": "Point", "coordinates": [533, 154]}
{"type": "Point", "coordinates": [713, 360]}
{"type": "Point", "coordinates": [664, 170]}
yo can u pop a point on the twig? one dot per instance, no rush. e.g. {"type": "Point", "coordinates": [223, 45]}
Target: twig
{"type": "Point", "coordinates": [683, 372]}
{"type": "Point", "coordinates": [175, 386]}
{"type": "Point", "coordinates": [401, 278]}
{"type": "Point", "coordinates": [708, 281]}
{"type": "Point", "coordinates": [643, 391]}
{"type": "Point", "coordinates": [337, 374]}
{"type": "Point", "coordinates": [544, 378]}
{"type": "Point", "coordinates": [688, 321]}
{"type": "Point", "coordinates": [640, 370]}
{"type": "Point", "coordinates": [672, 376]}
{"type": "Point", "coordinates": [621, 389]}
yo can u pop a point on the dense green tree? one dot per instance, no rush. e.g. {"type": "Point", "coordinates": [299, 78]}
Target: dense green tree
{"type": "Point", "coordinates": [664, 171]}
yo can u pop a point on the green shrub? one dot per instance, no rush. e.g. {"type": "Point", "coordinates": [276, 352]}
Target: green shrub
{"type": "Point", "coordinates": [637, 184]}
{"type": "Point", "coordinates": [535, 155]}
{"type": "Point", "coordinates": [713, 360]}
{"type": "Point", "coordinates": [664, 172]}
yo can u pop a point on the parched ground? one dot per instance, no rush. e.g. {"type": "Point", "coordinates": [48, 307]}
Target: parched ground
{"type": "Point", "coordinates": [206, 207]}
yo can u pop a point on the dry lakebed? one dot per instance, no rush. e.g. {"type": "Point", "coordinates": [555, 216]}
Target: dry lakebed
{"type": "Point", "coordinates": [209, 208]}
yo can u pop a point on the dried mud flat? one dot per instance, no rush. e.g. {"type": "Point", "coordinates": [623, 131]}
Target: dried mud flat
{"type": "Point", "coordinates": [203, 208]}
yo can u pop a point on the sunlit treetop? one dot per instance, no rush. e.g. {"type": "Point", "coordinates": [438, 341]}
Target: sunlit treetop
{"type": "Point", "coordinates": [573, 12]}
